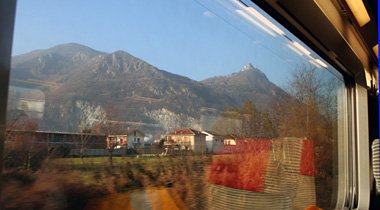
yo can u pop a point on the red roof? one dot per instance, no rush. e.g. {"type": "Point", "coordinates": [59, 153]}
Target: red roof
{"type": "Point", "coordinates": [184, 131]}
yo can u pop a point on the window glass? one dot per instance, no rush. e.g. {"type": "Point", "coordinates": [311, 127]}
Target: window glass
{"type": "Point", "coordinates": [229, 109]}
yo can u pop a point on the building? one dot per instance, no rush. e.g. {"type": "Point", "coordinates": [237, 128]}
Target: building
{"type": "Point", "coordinates": [229, 140]}
{"type": "Point", "coordinates": [186, 139]}
{"type": "Point", "coordinates": [214, 141]}
{"type": "Point", "coordinates": [135, 139]}
{"type": "Point", "coordinates": [117, 141]}
{"type": "Point", "coordinates": [94, 144]}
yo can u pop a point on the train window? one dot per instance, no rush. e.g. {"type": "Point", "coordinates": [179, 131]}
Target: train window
{"type": "Point", "coordinates": [168, 104]}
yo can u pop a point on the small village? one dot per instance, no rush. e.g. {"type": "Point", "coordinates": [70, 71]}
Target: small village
{"type": "Point", "coordinates": [184, 141]}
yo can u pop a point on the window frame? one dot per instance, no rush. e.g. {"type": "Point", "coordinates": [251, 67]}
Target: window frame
{"type": "Point", "coordinates": [357, 127]}
{"type": "Point", "coordinates": [7, 18]}
{"type": "Point", "coordinates": [351, 58]}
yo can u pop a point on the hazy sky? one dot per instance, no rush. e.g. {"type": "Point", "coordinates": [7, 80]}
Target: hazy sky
{"type": "Point", "coordinates": [194, 38]}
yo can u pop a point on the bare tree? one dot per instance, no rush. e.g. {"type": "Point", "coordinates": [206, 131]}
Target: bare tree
{"type": "Point", "coordinates": [246, 121]}
{"type": "Point", "coordinates": [310, 112]}
{"type": "Point", "coordinates": [310, 105]}
{"type": "Point", "coordinates": [228, 123]}
{"type": "Point", "coordinates": [90, 118]}
{"type": "Point", "coordinates": [85, 135]}
{"type": "Point", "coordinates": [112, 144]}
{"type": "Point", "coordinates": [24, 148]}
{"type": "Point", "coordinates": [109, 126]}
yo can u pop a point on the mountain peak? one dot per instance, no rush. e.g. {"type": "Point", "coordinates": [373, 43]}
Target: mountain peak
{"type": "Point", "coordinates": [247, 67]}
{"type": "Point", "coordinates": [120, 52]}
{"type": "Point", "coordinates": [249, 71]}
{"type": "Point", "coordinates": [72, 47]}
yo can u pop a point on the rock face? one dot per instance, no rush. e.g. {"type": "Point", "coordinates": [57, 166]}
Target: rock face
{"type": "Point", "coordinates": [248, 84]}
{"type": "Point", "coordinates": [76, 79]}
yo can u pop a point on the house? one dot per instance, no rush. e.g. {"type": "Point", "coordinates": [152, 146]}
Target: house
{"type": "Point", "coordinates": [135, 139]}
{"type": "Point", "coordinates": [67, 142]}
{"type": "Point", "coordinates": [229, 140]}
{"type": "Point", "coordinates": [234, 144]}
{"type": "Point", "coordinates": [187, 139]}
{"type": "Point", "coordinates": [117, 141]}
{"type": "Point", "coordinates": [214, 141]}
{"type": "Point", "coordinates": [228, 144]}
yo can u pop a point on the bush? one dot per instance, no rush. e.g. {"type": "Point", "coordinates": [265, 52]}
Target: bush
{"type": "Point", "coordinates": [61, 151]}
{"type": "Point", "coordinates": [131, 151]}
{"type": "Point", "coordinates": [25, 155]}
{"type": "Point", "coordinates": [46, 191]}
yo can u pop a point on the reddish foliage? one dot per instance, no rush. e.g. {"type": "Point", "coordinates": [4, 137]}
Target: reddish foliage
{"type": "Point", "coordinates": [244, 169]}
{"type": "Point", "coordinates": [307, 159]}
{"type": "Point", "coordinates": [312, 207]}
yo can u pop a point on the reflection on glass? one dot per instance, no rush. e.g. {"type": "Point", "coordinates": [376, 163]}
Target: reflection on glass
{"type": "Point", "coordinates": [244, 116]}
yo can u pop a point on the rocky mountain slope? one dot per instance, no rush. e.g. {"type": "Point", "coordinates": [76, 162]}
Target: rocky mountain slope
{"type": "Point", "coordinates": [77, 80]}
{"type": "Point", "coordinates": [248, 84]}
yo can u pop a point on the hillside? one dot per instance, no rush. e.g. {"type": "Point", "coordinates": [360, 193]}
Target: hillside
{"type": "Point", "coordinates": [129, 90]}
{"type": "Point", "coordinates": [248, 84]}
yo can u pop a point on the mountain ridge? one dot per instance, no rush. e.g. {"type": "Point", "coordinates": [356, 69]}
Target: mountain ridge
{"type": "Point", "coordinates": [139, 91]}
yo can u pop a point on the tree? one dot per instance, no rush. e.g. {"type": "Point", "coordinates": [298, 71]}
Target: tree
{"type": "Point", "coordinates": [24, 148]}
{"type": "Point", "coordinates": [109, 126]}
{"type": "Point", "coordinates": [85, 135]}
{"type": "Point", "coordinates": [310, 105]}
{"type": "Point", "coordinates": [245, 121]}
{"type": "Point", "coordinates": [250, 118]}
{"type": "Point", "coordinates": [310, 112]}
{"type": "Point", "coordinates": [90, 118]}
{"type": "Point", "coordinates": [161, 143]}
{"type": "Point", "coordinates": [228, 123]}
{"type": "Point", "coordinates": [268, 126]}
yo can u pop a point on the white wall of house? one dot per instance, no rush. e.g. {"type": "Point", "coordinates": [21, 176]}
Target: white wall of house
{"type": "Point", "coordinates": [218, 144]}
{"type": "Point", "coordinates": [229, 141]}
{"type": "Point", "coordinates": [135, 140]}
{"type": "Point", "coordinates": [196, 143]}
{"type": "Point", "coordinates": [214, 143]}
{"type": "Point", "coordinates": [119, 140]}
{"type": "Point", "coordinates": [199, 144]}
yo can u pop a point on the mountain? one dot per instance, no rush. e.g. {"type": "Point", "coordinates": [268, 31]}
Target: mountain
{"type": "Point", "coordinates": [248, 84]}
{"type": "Point", "coordinates": [135, 88]}
{"type": "Point", "coordinates": [81, 83]}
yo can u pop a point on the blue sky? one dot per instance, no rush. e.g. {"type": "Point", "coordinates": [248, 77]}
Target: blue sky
{"type": "Point", "coordinates": [194, 38]}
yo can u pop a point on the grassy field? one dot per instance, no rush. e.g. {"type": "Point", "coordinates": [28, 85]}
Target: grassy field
{"type": "Point", "coordinates": [148, 162]}
{"type": "Point", "coordinates": [100, 161]}
{"type": "Point", "coordinates": [78, 181]}
{"type": "Point", "coordinates": [93, 180]}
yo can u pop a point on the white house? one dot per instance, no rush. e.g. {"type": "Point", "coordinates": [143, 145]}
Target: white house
{"type": "Point", "coordinates": [135, 139]}
{"type": "Point", "coordinates": [214, 141]}
{"type": "Point", "coordinates": [229, 140]}
{"type": "Point", "coordinates": [187, 139]}
{"type": "Point", "coordinates": [116, 141]}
